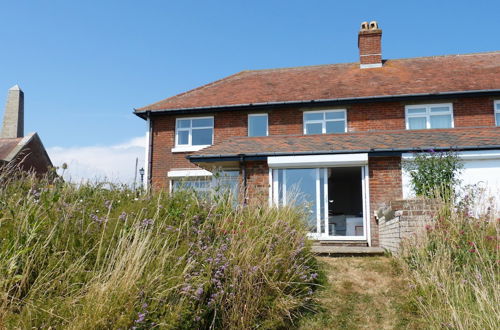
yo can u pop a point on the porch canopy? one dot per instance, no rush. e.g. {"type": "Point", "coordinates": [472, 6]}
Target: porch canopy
{"type": "Point", "coordinates": [374, 143]}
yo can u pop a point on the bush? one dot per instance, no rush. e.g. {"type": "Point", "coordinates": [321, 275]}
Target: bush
{"type": "Point", "coordinates": [434, 174]}
{"type": "Point", "coordinates": [100, 256]}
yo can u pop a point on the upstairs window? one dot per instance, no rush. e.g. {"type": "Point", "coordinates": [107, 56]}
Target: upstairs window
{"type": "Point", "coordinates": [497, 112]}
{"type": "Point", "coordinates": [428, 116]}
{"type": "Point", "coordinates": [257, 125]}
{"type": "Point", "coordinates": [325, 122]}
{"type": "Point", "coordinates": [193, 133]}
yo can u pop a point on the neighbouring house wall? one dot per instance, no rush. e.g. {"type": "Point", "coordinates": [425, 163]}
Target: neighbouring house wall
{"type": "Point", "coordinates": [385, 185]}
{"type": "Point", "coordinates": [469, 111]}
{"type": "Point", "coordinates": [402, 219]}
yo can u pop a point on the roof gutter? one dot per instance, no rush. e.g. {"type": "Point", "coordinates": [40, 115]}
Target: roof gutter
{"type": "Point", "coordinates": [337, 101]}
{"type": "Point", "coordinates": [372, 152]}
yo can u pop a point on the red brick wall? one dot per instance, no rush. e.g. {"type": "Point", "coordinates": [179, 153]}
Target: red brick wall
{"type": "Point", "coordinates": [370, 43]}
{"type": "Point", "coordinates": [257, 173]}
{"type": "Point", "coordinates": [473, 111]}
{"type": "Point", "coordinates": [385, 185]}
{"type": "Point", "coordinates": [376, 116]}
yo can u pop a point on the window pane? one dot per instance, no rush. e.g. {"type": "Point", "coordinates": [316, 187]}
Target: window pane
{"type": "Point", "coordinates": [205, 122]}
{"type": "Point", "coordinates": [301, 191]}
{"type": "Point", "coordinates": [498, 106]}
{"type": "Point", "coordinates": [335, 115]}
{"type": "Point", "coordinates": [257, 125]}
{"type": "Point", "coordinates": [417, 123]}
{"type": "Point", "coordinates": [440, 109]}
{"type": "Point", "coordinates": [199, 184]}
{"type": "Point", "coordinates": [416, 111]}
{"type": "Point", "coordinates": [335, 126]}
{"type": "Point", "coordinates": [314, 128]}
{"type": "Point", "coordinates": [184, 123]}
{"type": "Point", "coordinates": [498, 119]}
{"type": "Point", "coordinates": [202, 136]}
{"type": "Point", "coordinates": [443, 121]}
{"type": "Point", "coordinates": [313, 116]}
{"type": "Point", "coordinates": [183, 137]}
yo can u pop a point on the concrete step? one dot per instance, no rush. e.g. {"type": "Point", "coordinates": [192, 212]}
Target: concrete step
{"type": "Point", "coordinates": [341, 243]}
{"type": "Point", "coordinates": [346, 250]}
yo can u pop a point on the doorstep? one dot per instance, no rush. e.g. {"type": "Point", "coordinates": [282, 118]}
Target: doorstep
{"type": "Point", "coordinates": [339, 250]}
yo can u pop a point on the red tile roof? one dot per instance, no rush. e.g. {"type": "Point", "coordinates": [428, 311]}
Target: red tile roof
{"type": "Point", "coordinates": [413, 76]}
{"type": "Point", "coordinates": [380, 141]}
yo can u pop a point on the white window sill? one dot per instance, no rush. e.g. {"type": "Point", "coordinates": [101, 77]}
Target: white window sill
{"type": "Point", "coordinates": [189, 148]}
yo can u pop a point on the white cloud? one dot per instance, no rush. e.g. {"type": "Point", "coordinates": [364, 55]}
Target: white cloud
{"type": "Point", "coordinates": [114, 163]}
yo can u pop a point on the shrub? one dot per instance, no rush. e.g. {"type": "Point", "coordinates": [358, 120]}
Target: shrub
{"type": "Point", "coordinates": [100, 256]}
{"type": "Point", "coordinates": [434, 174]}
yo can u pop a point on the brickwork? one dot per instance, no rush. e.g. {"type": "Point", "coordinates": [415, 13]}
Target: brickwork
{"type": "Point", "coordinates": [403, 219]}
{"type": "Point", "coordinates": [257, 173]}
{"type": "Point", "coordinates": [385, 185]}
{"type": "Point", "coordinates": [370, 46]}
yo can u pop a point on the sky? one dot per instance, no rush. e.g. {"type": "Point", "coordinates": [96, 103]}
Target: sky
{"type": "Point", "coordinates": [85, 65]}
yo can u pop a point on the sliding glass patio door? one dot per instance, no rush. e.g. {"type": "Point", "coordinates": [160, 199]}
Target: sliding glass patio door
{"type": "Point", "coordinates": [333, 199]}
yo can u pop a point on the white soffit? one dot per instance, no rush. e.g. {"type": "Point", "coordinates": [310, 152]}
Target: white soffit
{"type": "Point", "coordinates": [184, 173]}
{"type": "Point", "coordinates": [318, 160]}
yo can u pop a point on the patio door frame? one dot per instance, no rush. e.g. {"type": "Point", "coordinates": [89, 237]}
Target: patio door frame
{"type": "Point", "coordinates": [286, 162]}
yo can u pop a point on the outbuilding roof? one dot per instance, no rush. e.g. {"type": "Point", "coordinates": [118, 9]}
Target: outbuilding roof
{"type": "Point", "coordinates": [373, 141]}
{"type": "Point", "coordinates": [399, 77]}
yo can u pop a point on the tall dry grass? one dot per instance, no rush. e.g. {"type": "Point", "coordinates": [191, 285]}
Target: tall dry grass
{"type": "Point", "coordinates": [454, 268]}
{"type": "Point", "coordinates": [103, 256]}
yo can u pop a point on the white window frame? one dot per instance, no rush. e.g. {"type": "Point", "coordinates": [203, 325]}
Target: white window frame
{"type": "Point", "coordinates": [427, 114]}
{"type": "Point", "coordinates": [496, 111]}
{"type": "Point", "coordinates": [189, 147]}
{"type": "Point", "coordinates": [258, 115]}
{"type": "Point", "coordinates": [323, 121]}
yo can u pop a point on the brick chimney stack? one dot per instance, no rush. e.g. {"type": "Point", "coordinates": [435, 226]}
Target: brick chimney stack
{"type": "Point", "coordinates": [370, 45]}
{"type": "Point", "coordinates": [13, 118]}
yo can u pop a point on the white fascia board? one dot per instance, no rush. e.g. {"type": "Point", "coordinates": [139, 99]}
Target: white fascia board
{"type": "Point", "coordinates": [465, 155]}
{"type": "Point", "coordinates": [184, 173]}
{"type": "Point", "coordinates": [318, 160]}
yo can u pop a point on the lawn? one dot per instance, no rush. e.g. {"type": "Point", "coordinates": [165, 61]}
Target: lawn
{"type": "Point", "coordinates": [363, 293]}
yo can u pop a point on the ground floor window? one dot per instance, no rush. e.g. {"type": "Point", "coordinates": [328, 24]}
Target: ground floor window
{"type": "Point", "coordinates": [334, 198]}
{"type": "Point", "coordinates": [219, 183]}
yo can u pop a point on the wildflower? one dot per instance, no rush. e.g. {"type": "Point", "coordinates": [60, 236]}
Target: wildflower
{"type": "Point", "coordinates": [141, 317]}
{"type": "Point", "coordinates": [198, 293]}
{"type": "Point", "coordinates": [123, 216]}
{"type": "Point", "coordinates": [147, 222]}
{"type": "Point", "coordinates": [314, 275]}
{"type": "Point", "coordinates": [472, 250]}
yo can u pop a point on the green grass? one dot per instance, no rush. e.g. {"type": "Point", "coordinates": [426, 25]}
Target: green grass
{"type": "Point", "coordinates": [102, 256]}
{"type": "Point", "coordinates": [363, 293]}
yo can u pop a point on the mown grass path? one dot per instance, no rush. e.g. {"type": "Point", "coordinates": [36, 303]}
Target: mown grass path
{"type": "Point", "coordinates": [363, 293]}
